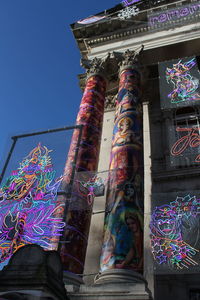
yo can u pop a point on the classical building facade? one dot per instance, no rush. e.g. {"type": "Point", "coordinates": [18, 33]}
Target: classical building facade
{"type": "Point", "coordinates": [142, 227]}
{"type": "Point", "coordinates": [131, 180]}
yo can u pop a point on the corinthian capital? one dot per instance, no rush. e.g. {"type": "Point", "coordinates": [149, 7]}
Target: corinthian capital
{"type": "Point", "coordinates": [130, 58]}
{"type": "Point", "coordinates": [96, 66]}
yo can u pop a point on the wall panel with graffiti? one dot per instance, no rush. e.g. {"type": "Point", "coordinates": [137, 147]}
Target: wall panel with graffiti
{"type": "Point", "coordinates": [184, 145]}
{"type": "Point", "coordinates": [29, 209]}
{"type": "Point", "coordinates": [179, 83]}
{"type": "Point", "coordinates": [174, 227]}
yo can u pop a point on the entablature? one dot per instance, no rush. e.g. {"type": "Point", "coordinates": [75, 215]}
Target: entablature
{"type": "Point", "coordinates": [159, 24]}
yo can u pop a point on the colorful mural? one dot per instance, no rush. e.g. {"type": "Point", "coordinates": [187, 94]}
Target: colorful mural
{"type": "Point", "coordinates": [29, 210]}
{"type": "Point", "coordinates": [179, 83]}
{"type": "Point", "coordinates": [123, 238]}
{"type": "Point", "coordinates": [185, 85]}
{"type": "Point", "coordinates": [78, 219]}
{"type": "Point", "coordinates": [171, 228]}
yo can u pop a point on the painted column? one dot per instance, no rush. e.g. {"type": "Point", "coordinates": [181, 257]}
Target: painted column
{"type": "Point", "coordinates": [123, 237]}
{"type": "Point", "coordinates": [90, 115]}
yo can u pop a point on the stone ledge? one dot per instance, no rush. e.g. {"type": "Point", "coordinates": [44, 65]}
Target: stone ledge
{"type": "Point", "coordinates": [114, 284]}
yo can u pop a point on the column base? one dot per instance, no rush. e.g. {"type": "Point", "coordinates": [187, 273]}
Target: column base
{"type": "Point", "coordinates": [115, 284]}
{"type": "Point", "coordinates": [72, 279]}
{"type": "Point", "coordinates": [119, 276]}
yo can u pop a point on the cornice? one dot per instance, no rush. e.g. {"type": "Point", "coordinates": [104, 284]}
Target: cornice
{"type": "Point", "coordinates": [145, 29]}
{"type": "Point", "coordinates": [151, 40]}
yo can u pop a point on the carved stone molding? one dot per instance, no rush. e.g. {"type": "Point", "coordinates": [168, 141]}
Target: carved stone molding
{"type": "Point", "coordinates": [110, 66]}
{"type": "Point", "coordinates": [110, 102]}
{"type": "Point", "coordinates": [96, 66]}
{"type": "Point", "coordinates": [130, 58]}
{"type": "Point", "coordinates": [106, 67]}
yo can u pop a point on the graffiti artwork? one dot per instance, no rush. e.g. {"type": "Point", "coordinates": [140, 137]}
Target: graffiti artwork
{"type": "Point", "coordinates": [93, 187]}
{"type": "Point", "coordinates": [174, 14]}
{"type": "Point", "coordinates": [180, 86]}
{"type": "Point", "coordinates": [29, 211]}
{"type": "Point", "coordinates": [171, 228]}
{"type": "Point", "coordinates": [184, 84]}
{"type": "Point", "coordinates": [187, 144]}
{"type": "Point", "coordinates": [129, 2]}
{"type": "Point", "coordinates": [123, 238]}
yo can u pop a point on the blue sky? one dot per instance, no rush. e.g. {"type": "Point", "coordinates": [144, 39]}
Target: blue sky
{"type": "Point", "coordinates": [39, 63]}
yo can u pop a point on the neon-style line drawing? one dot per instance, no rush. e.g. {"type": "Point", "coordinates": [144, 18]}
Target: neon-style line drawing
{"type": "Point", "coordinates": [190, 140]}
{"type": "Point", "coordinates": [184, 84]}
{"type": "Point", "coordinates": [129, 2]}
{"type": "Point", "coordinates": [167, 222]}
{"type": "Point", "coordinates": [29, 210]}
{"type": "Point", "coordinates": [128, 12]}
{"type": "Point", "coordinates": [164, 17]}
{"type": "Point", "coordinates": [89, 187]}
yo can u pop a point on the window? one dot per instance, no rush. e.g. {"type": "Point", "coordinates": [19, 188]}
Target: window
{"type": "Point", "coordinates": [194, 294]}
{"type": "Point", "coordinates": [185, 137]}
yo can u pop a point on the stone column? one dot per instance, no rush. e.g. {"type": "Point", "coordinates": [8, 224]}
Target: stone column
{"type": "Point", "coordinates": [148, 258]}
{"type": "Point", "coordinates": [90, 115]}
{"type": "Point", "coordinates": [123, 238]}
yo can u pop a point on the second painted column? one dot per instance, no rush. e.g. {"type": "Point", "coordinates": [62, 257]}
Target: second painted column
{"type": "Point", "coordinates": [123, 232]}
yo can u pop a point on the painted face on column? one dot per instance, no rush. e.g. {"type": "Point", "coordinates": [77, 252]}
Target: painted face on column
{"type": "Point", "coordinates": [124, 134]}
{"type": "Point", "coordinates": [132, 224]}
{"type": "Point", "coordinates": [125, 124]}
{"type": "Point", "coordinates": [129, 190]}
